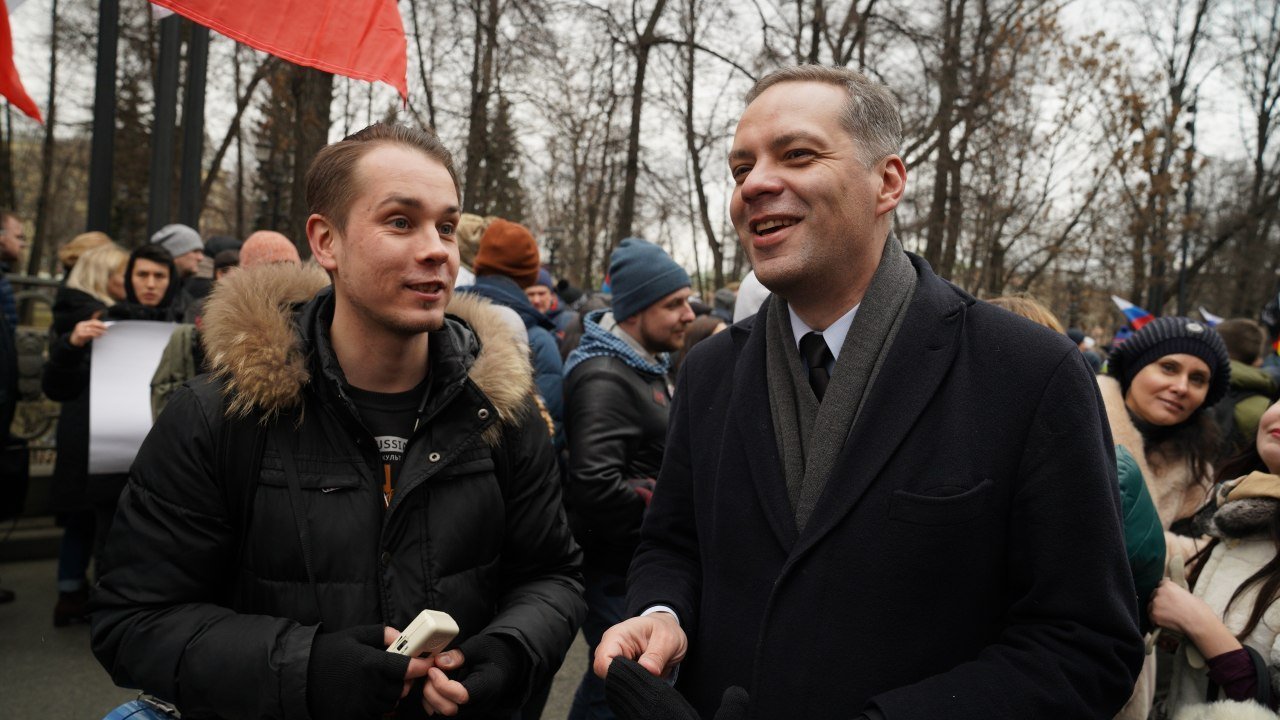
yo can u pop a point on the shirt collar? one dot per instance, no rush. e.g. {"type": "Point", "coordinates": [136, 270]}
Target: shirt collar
{"type": "Point", "coordinates": [834, 334]}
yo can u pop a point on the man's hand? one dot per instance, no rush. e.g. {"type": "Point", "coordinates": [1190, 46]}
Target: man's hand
{"type": "Point", "coordinates": [656, 641]}
{"type": "Point", "coordinates": [418, 667]}
{"type": "Point", "coordinates": [487, 663]}
{"type": "Point", "coordinates": [351, 674]}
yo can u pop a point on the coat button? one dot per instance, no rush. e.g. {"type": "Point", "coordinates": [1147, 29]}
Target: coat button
{"type": "Point", "coordinates": [386, 558]}
{"type": "Point", "coordinates": [434, 457]}
{"type": "Point", "coordinates": [483, 414]}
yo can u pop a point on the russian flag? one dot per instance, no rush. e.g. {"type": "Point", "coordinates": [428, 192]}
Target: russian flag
{"type": "Point", "coordinates": [1136, 316]}
{"type": "Point", "coordinates": [1213, 320]}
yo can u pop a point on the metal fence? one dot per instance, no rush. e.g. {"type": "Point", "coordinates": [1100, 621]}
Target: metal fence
{"type": "Point", "coordinates": [37, 416]}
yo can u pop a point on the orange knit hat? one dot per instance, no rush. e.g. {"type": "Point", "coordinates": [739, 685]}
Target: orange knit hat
{"type": "Point", "coordinates": [508, 248]}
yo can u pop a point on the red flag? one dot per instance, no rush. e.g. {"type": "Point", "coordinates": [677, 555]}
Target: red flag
{"type": "Point", "coordinates": [362, 39]}
{"type": "Point", "coordinates": [10, 83]}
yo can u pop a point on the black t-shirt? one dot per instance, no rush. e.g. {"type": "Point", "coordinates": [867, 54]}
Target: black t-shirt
{"type": "Point", "coordinates": [390, 417]}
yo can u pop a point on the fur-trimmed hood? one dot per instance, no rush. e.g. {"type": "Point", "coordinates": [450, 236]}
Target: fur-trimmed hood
{"type": "Point", "coordinates": [262, 358]}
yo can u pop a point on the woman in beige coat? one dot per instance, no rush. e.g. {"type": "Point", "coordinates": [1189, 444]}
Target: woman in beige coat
{"type": "Point", "coordinates": [1156, 388]}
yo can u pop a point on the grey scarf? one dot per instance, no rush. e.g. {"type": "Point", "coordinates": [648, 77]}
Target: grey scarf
{"type": "Point", "coordinates": [811, 436]}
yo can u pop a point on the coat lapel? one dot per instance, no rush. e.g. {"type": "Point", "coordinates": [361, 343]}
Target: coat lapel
{"type": "Point", "coordinates": [920, 358]}
{"type": "Point", "coordinates": [750, 413]}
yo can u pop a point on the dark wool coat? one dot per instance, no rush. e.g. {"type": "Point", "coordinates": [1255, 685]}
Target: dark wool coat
{"type": "Point", "coordinates": [965, 560]}
{"type": "Point", "coordinates": [475, 528]}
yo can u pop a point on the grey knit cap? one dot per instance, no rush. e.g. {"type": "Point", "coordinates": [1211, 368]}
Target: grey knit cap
{"type": "Point", "coordinates": [1170, 336]}
{"type": "Point", "coordinates": [178, 239]}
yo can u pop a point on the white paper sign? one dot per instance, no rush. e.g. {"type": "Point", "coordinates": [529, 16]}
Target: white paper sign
{"type": "Point", "coordinates": [120, 391]}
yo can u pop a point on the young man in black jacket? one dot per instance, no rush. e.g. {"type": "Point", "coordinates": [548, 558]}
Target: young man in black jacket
{"type": "Point", "coordinates": [617, 391]}
{"type": "Point", "coordinates": [403, 467]}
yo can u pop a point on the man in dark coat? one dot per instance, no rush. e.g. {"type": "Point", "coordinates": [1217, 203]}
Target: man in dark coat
{"type": "Point", "coordinates": [403, 466]}
{"type": "Point", "coordinates": [880, 498]}
{"type": "Point", "coordinates": [617, 395]}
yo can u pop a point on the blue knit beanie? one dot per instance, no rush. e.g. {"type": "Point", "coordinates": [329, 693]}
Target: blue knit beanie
{"type": "Point", "coordinates": [641, 274]}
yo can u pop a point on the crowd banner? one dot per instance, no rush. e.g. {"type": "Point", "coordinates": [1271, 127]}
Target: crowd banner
{"type": "Point", "coordinates": [124, 360]}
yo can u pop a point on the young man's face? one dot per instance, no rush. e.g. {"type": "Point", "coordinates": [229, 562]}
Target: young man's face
{"type": "Point", "coordinates": [661, 326]}
{"type": "Point", "coordinates": [540, 297]}
{"type": "Point", "coordinates": [150, 280]}
{"type": "Point", "coordinates": [394, 263]}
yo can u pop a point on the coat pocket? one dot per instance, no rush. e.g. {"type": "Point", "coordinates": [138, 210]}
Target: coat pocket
{"type": "Point", "coordinates": [949, 505]}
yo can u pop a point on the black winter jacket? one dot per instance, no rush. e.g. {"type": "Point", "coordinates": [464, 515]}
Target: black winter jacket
{"type": "Point", "coordinates": [186, 612]}
{"type": "Point", "coordinates": [66, 380]}
{"type": "Point", "coordinates": [616, 422]}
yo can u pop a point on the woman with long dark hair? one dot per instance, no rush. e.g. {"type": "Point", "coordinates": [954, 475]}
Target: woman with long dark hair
{"type": "Point", "coordinates": [1156, 389]}
{"type": "Point", "coordinates": [1158, 385]}
{"type": "Point", "coordinates": [1231, 618]}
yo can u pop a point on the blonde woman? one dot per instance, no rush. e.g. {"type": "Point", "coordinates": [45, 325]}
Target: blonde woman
{"type": "Point", "coordinates": [95, 283]}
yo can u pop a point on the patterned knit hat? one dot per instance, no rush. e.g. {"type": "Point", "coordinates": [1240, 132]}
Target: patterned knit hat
{"type": "Point", "coordinates": [641, 274]}
{"type": "Point", "coordinates": [1170, 336]}
{"type": "Point", "coordinates": [508, 249]}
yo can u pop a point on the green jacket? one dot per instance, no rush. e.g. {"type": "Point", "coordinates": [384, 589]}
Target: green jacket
{"type": "Point", "coordinates": [1255, 389]}
{"type": "Point", "coordinates": [1143, 534]}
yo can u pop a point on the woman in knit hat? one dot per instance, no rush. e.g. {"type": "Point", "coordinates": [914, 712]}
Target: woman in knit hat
{"type": "Point", "coordinates": [1159, 383]}
{"type": "Point", "coordinates": [1156, 388]}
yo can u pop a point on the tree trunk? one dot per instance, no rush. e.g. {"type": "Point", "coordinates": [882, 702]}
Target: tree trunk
{"type": "Point", "coordinates": [243, 96]}
{"type": "Point", "coordinates": [41, 240]}
{"type": "Point", "coordinates": [627, 203]}
{"type": "Point", "coordinates": [695, 154]}
{"type": "Point", "coordinates": [486, 40]}
{"type": "Point", "coordinates": [945, 167]}
{"type": "Point", "coordinates": [312, 93]}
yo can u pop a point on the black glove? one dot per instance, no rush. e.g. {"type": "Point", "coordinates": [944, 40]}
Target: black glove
{"type": "Point", "coordinates": [491, 665]}
{"type": "Point", "coordinates": [351, 675]}
{"type": "Point", "coordinates": [635, 694]}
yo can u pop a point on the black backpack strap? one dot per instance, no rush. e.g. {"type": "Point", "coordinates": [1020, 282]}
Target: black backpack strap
{"type": "Point", "coordinates": [238, 463]}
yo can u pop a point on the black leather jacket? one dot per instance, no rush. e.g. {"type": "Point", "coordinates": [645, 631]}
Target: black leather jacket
{"type": "Point", "coordinates": [616, 422]}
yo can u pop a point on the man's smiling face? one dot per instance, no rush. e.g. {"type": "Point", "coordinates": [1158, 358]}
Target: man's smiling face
{"type": "Point", "coordinates": [804, 204]}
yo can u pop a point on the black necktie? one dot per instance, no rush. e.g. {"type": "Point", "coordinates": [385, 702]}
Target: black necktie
{"type": "Point", "coordinates": [816, 355]}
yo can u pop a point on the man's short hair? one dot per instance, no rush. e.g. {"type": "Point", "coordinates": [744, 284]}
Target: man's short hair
{"type": "Point", "coordinates": [331, 185]}
{"type": "Point", "coordinates": [1244, 339]}
{"type": "Point", "coordinates": [870, 114]}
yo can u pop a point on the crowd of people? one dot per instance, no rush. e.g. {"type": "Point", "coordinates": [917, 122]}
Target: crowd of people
{"type": "Point", "coordinates": [863, 494]}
